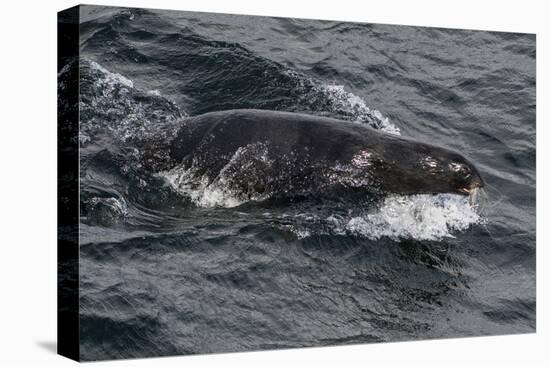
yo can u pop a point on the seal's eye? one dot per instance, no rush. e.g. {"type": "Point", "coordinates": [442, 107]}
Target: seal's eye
{"type": "Point", "coordinates": [460, 168]}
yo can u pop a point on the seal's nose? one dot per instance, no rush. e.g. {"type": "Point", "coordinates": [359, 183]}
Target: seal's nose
{"type": "Point", "coordinates": [474, 184]}
{"type": "Point", "coordinates": [470, 182]}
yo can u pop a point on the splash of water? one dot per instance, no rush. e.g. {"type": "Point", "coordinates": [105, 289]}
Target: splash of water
{"type": "Point", "coordinates": [112, 102]}
{"type": "Point", "coordinates": [336, 99]}
{"type": "Point", "coordinates": [348, 101]}
{"type": "Point", "coordinates": [419, 217]}
{"type": "Point", "coordinates": [220, 191]}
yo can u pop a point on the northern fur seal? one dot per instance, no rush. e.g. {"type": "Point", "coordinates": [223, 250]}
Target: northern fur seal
{"type": "Point", "coordinates": [262, 154]}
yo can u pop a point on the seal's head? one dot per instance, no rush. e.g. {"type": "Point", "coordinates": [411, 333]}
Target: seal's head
{"type": "Point", "coordinates": [466, 178]}
{"type": "Point", "coordinates": [454, 173]}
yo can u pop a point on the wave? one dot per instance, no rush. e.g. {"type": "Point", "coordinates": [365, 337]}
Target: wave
{"type": "Point", "coordinates": [418, 217]}
{"type": "Point", "coordinates": [336, 100]}
{"type": "Point", "coordinates": [111, 103]}
{"type": "Point", "coordinates": [360, 111]}
{"type": "Point", "coordinates": [105, 211]}
{"type": "Point", "coordinates": [421, 217]}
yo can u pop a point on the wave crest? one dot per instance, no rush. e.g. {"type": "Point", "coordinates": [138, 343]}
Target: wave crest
{"type": "Point", "coordinates": [335, 100]}
{"type": "Point", "coordinates": [418, 217]}
{"type": "Point", "coordinates": [110, 102]}
{"type": "Point", "coordinates": [359, 110]}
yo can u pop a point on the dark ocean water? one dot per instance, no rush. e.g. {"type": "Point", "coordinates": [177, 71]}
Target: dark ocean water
{"type": "Point", "coordinates": [182, 268]}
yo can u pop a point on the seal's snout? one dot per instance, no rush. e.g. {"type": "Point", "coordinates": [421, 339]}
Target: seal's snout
{"type": "Point", "coordinates": [472, 188]}
{"type": "Point", "coordinates": [474, 183]}
{"type": "Point", "coordinates": [467, 179]}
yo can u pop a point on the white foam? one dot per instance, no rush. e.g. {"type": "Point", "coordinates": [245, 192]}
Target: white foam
{"type": "Point", "coordinates": [201, 192]}
{"type": "Point", "coordinates": [219, 191]}
{"type": "Point", "coordinates": [300, 233]}
{"type": "Point", "coordinates": [355, 105]}
{"type": "Point", "coordinates": [421, 217]}
{"type": "Point", "coordinates": [110, 77]}
{"type": "Point", "coordinates": [117, 206]}
{"type": "Point", "coordinates": [346, 102]}
{"type": "Point", "coordinates": [110, 104]}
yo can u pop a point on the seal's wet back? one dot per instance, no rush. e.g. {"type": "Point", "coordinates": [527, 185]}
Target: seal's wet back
{"type": "Point", "coordinates": [269, 153]}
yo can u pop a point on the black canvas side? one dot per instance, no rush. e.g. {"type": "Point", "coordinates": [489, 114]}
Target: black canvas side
{"type": "Point", "coordinates": [67, 183]}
